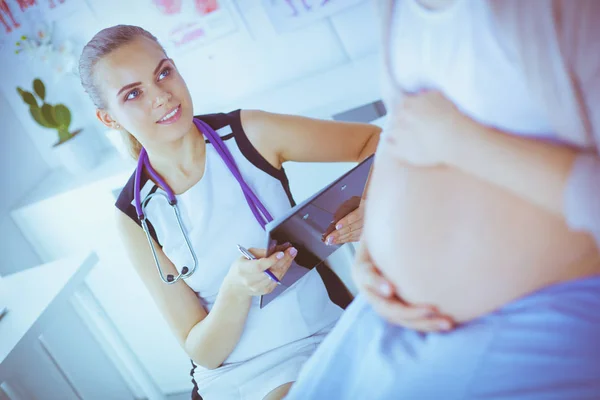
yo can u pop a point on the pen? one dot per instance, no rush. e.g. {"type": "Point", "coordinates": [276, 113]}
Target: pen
{"type": "Point", "coordinates": [250, 256]}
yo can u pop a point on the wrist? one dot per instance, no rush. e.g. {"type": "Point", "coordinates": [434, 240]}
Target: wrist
{"type": "Point", "coordinates": [233, 292]}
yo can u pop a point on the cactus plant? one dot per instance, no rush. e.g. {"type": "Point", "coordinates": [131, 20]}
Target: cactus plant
{"type": "Point", "coordinates": [54, 117]}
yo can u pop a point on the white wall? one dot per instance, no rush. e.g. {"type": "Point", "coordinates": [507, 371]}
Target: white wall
{"type": "Point", "coordinates": [317, 70]}
{"type": "Point", "coordinates": [21, 167]}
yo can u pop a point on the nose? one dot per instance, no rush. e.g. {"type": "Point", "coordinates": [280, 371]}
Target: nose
{"type": "Point", "coordinates": [162, 98]}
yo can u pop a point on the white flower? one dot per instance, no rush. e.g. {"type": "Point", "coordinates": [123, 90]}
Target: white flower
{"type": "Point", "coordinates": [43, 34]}
{"type": "Point", "coordinates": [44, 53]}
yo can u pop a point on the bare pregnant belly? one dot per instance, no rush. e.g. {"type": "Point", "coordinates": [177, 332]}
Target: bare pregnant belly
{"type": "Point", "coordinates": [448, 239]}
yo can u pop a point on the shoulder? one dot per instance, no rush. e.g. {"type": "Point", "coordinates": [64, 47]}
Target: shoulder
{"type": "Point", "coordinates": [264, 126]}
{"type": "Point", "coordinates": [252, 122]}
{"type": "Point", "coordinates": [261, 129]}
{"type": "Point", "coordinates": [126, 212]}
{"type": "Point", "coordinates": [220, 120]}
{"type": "Point", "coordinates": [256, 122]}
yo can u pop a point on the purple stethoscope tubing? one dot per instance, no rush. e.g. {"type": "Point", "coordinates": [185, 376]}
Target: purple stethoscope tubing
{"type": "Point", "coordinates": [260, 212]}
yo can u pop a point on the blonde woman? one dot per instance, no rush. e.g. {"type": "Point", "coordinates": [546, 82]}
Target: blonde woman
{"type": "Point", "coordinates": [241, 351]}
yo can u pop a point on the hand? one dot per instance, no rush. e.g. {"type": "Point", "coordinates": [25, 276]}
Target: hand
{"type": "Point", "coordinates": [382, 296]}
{"type": "Point", "coordinates": [247, 277]}
{"type": "Point", "coordinates": [349, 228]}
{"type": "Point", "coordinates": [422, 127]}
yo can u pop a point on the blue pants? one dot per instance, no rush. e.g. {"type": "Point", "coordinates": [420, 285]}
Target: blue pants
{"type": "Point", "coordinates": [543, 346]}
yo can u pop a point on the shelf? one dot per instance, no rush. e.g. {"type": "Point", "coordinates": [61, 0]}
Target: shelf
{"type": "Point", "coordinates": [60, 181]}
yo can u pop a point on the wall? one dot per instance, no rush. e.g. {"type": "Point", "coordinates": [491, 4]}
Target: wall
{"type": "Point", "coordinates": [21, 167]}
{"type": "Point", "coordinates": [318, 70]}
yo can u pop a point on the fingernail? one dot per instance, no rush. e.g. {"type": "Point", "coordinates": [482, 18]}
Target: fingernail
{"type": "Point", "coordinates": [385, 289]}
{"type": "Point", "coordinates": [338, 226]}
{"type": "Point", "coordinates": [293, 252]}
{"type": "Point", "coordinates": [330, 240]}
{"type": "Point", "coordinates": [280, 255]}
{"type": "Point", "coordinates": [445, 325]}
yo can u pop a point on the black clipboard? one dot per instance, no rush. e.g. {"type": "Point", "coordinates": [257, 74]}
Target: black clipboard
{"type": "Point", "coordinates": [307, 225]}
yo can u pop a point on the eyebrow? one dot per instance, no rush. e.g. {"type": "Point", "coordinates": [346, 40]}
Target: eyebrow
{"type": "Point", "coordinates": [124, 88]}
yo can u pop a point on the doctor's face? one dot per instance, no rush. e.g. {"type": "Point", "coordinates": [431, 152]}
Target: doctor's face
{"type": "Point", "coordinates": [144, 93]}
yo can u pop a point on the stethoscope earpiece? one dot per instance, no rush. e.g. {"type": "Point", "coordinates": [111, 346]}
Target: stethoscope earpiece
{"type": "Point", "coordinates": [184, 271]}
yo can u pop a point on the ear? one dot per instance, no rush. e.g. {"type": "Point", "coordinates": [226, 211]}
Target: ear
{"type": "Point", "coordinates": [104, 117]}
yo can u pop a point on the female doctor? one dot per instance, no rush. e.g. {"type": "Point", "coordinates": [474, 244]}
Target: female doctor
{"type": "Point", "coordinates": [241, 351]}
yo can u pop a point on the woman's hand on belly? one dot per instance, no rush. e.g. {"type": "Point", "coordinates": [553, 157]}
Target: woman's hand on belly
{"type": "Point", "coordinates": [420, 128]}
{"type": "Point", "coordinates": [448, 239]}
{"type": "Point", "coordinates": [386, 302]}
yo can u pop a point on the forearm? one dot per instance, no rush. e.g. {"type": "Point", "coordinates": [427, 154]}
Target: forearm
{"type": "Point", "coordinates": [371, 144]}
{"type": "Point", "coordinates": [368, 149]}
{"type": "Point", "coordinates": [212, 340]}
{"type": "Point", "coordinates": [536, 171]}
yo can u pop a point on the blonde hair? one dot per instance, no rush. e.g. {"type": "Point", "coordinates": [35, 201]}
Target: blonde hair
{"type": "Point", "coordinates": [103, 43]}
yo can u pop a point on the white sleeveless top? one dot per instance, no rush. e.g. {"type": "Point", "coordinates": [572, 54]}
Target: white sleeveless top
{"type": "Point", "coordinates": [457, 51]}
{"type": "Point", "coordinates": [217, 218]}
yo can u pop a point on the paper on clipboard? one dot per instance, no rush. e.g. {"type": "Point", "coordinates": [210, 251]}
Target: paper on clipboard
{"type": "Point", "coordinates": [307, 225]}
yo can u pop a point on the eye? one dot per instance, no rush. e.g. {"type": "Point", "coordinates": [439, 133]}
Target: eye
{"type": "Point", "coordinates": [165, 72]}
{"type": "Point", "coordinates": [132, 95]}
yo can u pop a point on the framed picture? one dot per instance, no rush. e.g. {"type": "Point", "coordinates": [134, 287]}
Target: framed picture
{"type": "Point", "coordinates": [31, 17]}
{"type": "Point", "coordinates": [18, 16]}
{"type": "Point", "coordinates": [184, 24]}
{"type": "Point", "coordinates": [286, 15]}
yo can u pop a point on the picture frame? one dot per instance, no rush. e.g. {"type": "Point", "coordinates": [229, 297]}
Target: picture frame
{"type": "Point", "coordinates": [288, 15]}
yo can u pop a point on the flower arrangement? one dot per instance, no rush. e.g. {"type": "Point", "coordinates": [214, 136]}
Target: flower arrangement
{"type": "Point", "coordinates": [40, 47]}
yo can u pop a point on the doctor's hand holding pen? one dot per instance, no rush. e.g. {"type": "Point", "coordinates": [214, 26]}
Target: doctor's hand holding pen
{"type": "Point", "coordinates": [248, 278]}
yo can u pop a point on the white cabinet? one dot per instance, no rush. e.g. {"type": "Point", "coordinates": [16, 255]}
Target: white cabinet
{"type": "Point", "coordinates": [83, 219]}
{"type": "Point", "coordinates": [49, 346]}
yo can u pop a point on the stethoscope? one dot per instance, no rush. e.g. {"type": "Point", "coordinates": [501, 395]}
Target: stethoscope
{"type": "Point", "coordinates": [258, 209]}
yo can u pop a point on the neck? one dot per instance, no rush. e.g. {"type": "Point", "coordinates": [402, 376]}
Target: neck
{"type": "Point", "coordinates": [179, 159]}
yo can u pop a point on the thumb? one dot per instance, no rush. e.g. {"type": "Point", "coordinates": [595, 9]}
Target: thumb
{"type": "Point", "coordinates": [266, 263]}
{"type": "Point", "coordinates": [258, 253]}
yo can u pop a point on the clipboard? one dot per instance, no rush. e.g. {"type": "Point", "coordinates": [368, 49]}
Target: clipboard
{"type": "Point", "coordinates": [307, 225]}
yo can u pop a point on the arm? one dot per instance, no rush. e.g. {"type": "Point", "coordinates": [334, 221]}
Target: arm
{"type": "Point", "coordinates": [282, 138]}
{"type": "Point", "coordinates": [537, 172]}
{"type": "Point", "coordinates": [558, 179]}
{"type": "Point", "coordinates": [207, 338]}
{"type": "Point", "coordinates": [563, 181]}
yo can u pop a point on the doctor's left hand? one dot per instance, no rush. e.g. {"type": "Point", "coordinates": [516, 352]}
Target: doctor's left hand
{"type": "Point", "coordinates": [349, 228]}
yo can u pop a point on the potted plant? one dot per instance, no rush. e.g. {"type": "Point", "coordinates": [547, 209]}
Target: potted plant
{"type": "Point", "coordinates": [58, 117]}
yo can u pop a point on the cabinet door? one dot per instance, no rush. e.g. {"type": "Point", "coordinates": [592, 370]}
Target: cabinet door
{"type": "Point", "coordinates": [84, 219]}
{"type": "Point", "coordinates": [81, 361]}
{"type": "Point", "coordinates": [59, 359]}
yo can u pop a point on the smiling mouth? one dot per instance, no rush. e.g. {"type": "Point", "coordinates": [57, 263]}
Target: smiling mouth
{"type": "Point", "coordinates": [170, 115]}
